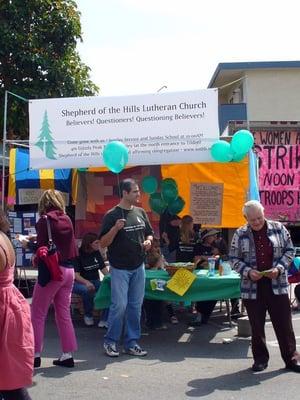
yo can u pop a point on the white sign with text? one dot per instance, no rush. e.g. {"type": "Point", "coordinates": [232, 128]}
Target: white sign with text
{"type": "Point", "coordinates": [164, 128]}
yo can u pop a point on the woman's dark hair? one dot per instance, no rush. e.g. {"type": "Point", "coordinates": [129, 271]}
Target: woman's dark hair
{"type": "Point", "coordinates": [87, 240]}
{"type": "Point", "coordinates": [126, 185]}
{"type": "Point", "coordinates": [4, 223]}
{"type": "Point", "coordinates": [152, 259]}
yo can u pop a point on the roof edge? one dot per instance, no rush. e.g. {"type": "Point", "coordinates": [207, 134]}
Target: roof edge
{"type": "Point", "coordinates": [252, 65]}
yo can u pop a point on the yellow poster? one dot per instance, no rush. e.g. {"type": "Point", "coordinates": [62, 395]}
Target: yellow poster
{"type": "Point", "coordinates": [181, 281]}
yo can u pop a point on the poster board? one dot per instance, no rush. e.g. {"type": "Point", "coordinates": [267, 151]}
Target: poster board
{"type": "Point", "coordinates": [22, 223]}
{"type": "Point", "coordinates": [279, 177]}
{"type": "Point", "coordinates": [206, 203]}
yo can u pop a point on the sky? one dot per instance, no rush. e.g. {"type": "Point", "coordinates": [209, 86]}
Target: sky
{"type": "Point", "coordinates": [141, 46]}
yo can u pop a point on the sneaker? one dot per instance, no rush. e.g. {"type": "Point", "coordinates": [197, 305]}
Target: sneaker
{"type": "Point", "coordinates": [89, 321]}
{"type": "Point", "coordinates": [174, 319]}
{"type": "Point", "coordinates": [110, 349]}
{"type": "Point", "coordinates": [136, 351]}
{"type": "Point", "coordinates": [103, 324]}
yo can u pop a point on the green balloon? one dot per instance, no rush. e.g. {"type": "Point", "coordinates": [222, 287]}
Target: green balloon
{"type": "Point", "coordinates": [176, 206]}
{"type": "Point", "coordinates": [242, 141]}
{"type": "Point", "coordinates": [149, 184]}
{"type": "Point", "coordinates": [238, 156]}
{"type": "Point", "coordinates": [169, 192]}
{"type": "Point", "coordinates": [156, 203]}
{"type": "Point", "coordinates": [167, 181]}
{"type": "Point", "coordinates": [221, 151]}
{"type": "Point", "coordinates": [115, 156]}
{"type": "Point", "coordinates": [82, 169]}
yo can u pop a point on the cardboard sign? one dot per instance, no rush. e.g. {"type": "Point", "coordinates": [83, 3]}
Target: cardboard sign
{"type": "Point", "coordinates": [206, 203]}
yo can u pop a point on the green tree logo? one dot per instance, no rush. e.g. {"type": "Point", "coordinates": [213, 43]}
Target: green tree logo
{"type": "Point", "coordinates": [45, 140]}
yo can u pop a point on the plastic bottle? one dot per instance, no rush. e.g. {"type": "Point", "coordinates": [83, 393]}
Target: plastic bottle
{"type": "Point", "coordinates": [211, 266]}
{"type": "Point", "coordinates": [226, 265]}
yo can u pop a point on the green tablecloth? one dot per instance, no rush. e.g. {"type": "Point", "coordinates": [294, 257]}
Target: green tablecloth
{"type": "Point", "coordinates": [203, 288]}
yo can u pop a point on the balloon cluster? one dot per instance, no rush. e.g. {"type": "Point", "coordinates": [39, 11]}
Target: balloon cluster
{"type": "Point", "coordinates": [166, 199]}
{"type": "Point", "coordinates": [241, 143]}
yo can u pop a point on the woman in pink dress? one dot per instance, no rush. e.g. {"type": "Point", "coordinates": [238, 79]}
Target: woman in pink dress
{"type": "Point", "coordinates": [16, 335]}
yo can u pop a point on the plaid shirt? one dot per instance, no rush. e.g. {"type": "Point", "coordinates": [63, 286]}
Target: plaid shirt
{"type": "Point", "coordinates": [243, 257]}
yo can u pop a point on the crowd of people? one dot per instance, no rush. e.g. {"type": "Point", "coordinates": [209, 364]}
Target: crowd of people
{"type": "Point", "coordinates": [261, 252]}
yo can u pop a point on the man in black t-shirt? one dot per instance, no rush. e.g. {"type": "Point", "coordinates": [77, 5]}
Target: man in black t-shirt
{"type": "Point", "coordinates": [127, 234]}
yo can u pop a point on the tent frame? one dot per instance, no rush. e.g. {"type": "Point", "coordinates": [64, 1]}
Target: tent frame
{"type": "Point", "coordinates": [5, 141]}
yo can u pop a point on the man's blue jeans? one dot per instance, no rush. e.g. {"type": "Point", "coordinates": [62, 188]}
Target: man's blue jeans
{"type": "Point", "coordinates": [127, 294]}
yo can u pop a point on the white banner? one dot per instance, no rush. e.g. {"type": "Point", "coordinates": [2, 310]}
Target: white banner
{"type": "Point", "coordinates": [164, 128]}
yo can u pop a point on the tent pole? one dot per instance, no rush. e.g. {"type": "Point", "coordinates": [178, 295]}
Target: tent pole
{"type": "Point", "coordinates": [5, 141]}
{"type": "Point", "coordinates": [4, 149]}
{"type": "Point", "coordinates": [248, 127]}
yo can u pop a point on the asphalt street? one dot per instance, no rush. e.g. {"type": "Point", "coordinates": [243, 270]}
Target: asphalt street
{"type": "Point", "coordinates": [182, 363]}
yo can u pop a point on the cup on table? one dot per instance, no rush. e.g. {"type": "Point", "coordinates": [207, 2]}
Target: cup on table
{"type": "Point", "coordinates": [211, 265]}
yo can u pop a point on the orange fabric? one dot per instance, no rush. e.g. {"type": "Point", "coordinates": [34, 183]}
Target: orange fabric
{"type": "Point", "coordinates": [233, 175]}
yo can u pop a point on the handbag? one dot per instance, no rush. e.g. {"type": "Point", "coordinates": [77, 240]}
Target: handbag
{"type": "Point", "coordinates": [48, 262]}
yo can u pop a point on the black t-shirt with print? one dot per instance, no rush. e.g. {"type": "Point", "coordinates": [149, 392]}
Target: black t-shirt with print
{"type": "Point", "coordinates": [126, 251]}
{"type": "Point", "coordinates": [88, 265]}
{"type": "Point", "coordinates": [185, 252]}
{"type": "Point", "coordinates": [203, 250]}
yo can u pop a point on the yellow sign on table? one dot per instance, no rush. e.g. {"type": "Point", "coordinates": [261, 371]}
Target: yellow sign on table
{"type": "Point", "coordinates": [181, 281]}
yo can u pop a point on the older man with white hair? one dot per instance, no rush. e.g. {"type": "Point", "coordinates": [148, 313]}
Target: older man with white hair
{"type": "Point", "coordinates": [261, 251]}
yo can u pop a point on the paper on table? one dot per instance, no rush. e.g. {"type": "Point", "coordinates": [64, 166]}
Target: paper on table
{"type": "Point", "coordinates": [181, 281]}
{"type": "Point", "coordinates": [157, 284]}
{"type": "Point", "coordinates": [202, 272]}
{"type": "Point", "coordinates": [22, 238]}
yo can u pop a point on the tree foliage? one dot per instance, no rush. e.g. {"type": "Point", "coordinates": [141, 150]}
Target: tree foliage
{"type": "Point", "coordinates": [38, 56]}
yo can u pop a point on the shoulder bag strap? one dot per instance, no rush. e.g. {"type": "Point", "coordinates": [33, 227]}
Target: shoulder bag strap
{"type": "Point", "coordinates": [49, 231]}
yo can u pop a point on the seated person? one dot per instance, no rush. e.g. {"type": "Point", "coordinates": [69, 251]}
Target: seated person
{"type": "Point", "coordinates": [185, 250]}
{"type": "Point", "coordinates": [157, 261]}
{"type": "Point", "coordinates": [154, 308]}
{"type": "Point", "coordinates": [87, 280]}
{"type": "Point", "coordinates": [188, 237]}
{"type": "Point", "coordinates": [169, 234]}
{"type": "Point", "coordinates": [156, 247]}
{"type": "Point", "coordinates": [207, 248]}
{"type": "Point", "coordinates": [155, 251]}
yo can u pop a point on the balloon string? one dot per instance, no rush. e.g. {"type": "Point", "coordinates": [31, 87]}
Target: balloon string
{"type": "Point", "coordinates": [119, 190]}
{"type": "Point", "coordinates": [123, 216]}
